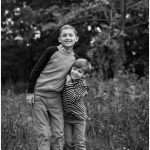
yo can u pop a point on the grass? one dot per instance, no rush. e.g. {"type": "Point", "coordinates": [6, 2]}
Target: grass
{"type": "Point", "coordinates": [17, 131]}
{"type": "Point", "coordinates": [118, 116]}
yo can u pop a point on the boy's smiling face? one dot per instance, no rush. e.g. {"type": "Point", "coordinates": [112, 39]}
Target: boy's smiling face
{"type": "Point", "coordinates": [77, 73]}
{"type": "Point", "coordinates": [68, 38]}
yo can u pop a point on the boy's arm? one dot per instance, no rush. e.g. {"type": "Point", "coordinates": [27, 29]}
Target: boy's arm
{"type": "Point", "coordinates": [77, 94]}
{"type": "Point", "coordinates": [38, 68]}
{"type": "Point", "coordinates": [85, 87]}
{"type": "Point", "coordinates": [30, 98]}
{"type": "Point", "coordinates": [68, 80]}
{"type": "Point", "coordinates": [83, 90]}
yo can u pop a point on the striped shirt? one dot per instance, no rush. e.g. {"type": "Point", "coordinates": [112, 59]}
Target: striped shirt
{"type": "Point", "coordinates": [73, 104]}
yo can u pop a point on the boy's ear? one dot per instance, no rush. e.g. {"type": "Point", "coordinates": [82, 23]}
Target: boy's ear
{"type": "Point", "coordinates": [59, 39]}
{"type": "Point", "coordinates": [86, 75]}
{"type": "Point", "coordinates": [77, 38]}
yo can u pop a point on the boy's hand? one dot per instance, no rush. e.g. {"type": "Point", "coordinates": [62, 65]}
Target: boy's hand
{"type": "Point", "coordinates": [85, 94]}
{"type": "Point", "coordinates": [30, 98]}
{"type": "Point", "coordinates": [68, 79]}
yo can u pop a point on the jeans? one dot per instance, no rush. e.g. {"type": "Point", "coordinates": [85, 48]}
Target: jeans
{"type": "Point", "coordinates": [74, 132]}
{"type": "Point", "coordinates": [48, 122]}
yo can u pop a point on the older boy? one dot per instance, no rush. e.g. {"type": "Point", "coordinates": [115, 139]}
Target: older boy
{"type": "Point", "coordinates": [44, 89]}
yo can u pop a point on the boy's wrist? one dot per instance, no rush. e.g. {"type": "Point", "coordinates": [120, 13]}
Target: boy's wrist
{"type": "Point", "coordinates": [68, 79]}
{"type": "Point", "coordinates": [29, 93]}
{"type": "Point", "coordinates": [68, 82]}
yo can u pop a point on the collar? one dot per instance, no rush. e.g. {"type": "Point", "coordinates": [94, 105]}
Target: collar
{"type": "Point", "coordinates": [78, 80]}
{"type": "Point", "coordinates": [61, 48]}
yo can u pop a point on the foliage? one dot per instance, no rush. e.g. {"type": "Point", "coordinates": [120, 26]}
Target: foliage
{"type": "Point", "coordinates": [33, 26]}
{"type": "Point", "coordinates": [117, 110]}
{"type": "Point", "coordinates": [113, 34]}
{"type": "Point", "coordinates": [122, 44]}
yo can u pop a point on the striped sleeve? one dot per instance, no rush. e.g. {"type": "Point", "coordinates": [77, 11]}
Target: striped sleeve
{"type": "Point", "coordinates": [76, 91]}
{"type": "Point", "coordinates": [80, 90]}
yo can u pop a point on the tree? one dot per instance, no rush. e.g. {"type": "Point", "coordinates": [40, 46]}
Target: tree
{"type": "Point", "coordinates": [113, 36]}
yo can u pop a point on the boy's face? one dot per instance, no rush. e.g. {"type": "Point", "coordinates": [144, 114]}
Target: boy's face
{"type": "Point", "coordinates": [67, 38]}
{"type": "Point", "coordinates": [77, 73]}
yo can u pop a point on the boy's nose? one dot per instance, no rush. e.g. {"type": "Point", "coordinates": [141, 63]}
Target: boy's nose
{"type": "Point", "coordinates": [75, 71]}
{"type": "Point", "coordinates": [67, 37]}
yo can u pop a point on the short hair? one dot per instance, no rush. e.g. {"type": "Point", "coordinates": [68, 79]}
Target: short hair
{"type": "Point", "coordinates": [83, 64]}
{"type": "Point", "coordinates": [67, 26]}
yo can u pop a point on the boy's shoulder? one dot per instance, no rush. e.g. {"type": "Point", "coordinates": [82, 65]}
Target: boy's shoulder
{"type": "Point", "coordinates": [76, 55]}
{"type": "Point", "coordinates": [82, 82]}
{"type": "Point", "coordinates": [52, 49]}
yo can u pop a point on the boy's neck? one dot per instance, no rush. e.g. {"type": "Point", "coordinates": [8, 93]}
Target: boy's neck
{"type": "Point", "coordinates": [75, 80]}
{"type": "Point", "coordinates": [66, 50]}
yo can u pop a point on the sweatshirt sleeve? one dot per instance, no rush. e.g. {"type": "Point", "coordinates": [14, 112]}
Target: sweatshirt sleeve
{"type": "Point", "coordinates": [39, 66]}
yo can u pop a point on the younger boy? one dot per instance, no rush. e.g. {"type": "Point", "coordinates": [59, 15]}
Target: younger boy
{"type": "Point", "coordinates": [73, 105]}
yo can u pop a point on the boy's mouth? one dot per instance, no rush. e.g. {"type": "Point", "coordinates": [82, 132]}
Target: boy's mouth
{"type": "Point", "coordinates": [74, 75]}
{"type": "Point", "coordinates": [68, 41]}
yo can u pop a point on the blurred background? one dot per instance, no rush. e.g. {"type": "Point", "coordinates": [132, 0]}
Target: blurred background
{"type": "Point", "coordinates": [114, 36]}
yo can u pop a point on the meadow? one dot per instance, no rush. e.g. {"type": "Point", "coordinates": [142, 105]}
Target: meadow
{"type": "Point", "coordinates": [118, 111]}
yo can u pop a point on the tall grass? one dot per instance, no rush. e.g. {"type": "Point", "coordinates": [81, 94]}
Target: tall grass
{"type": "Point", "coordinates": [118, 113]}
{"type": "Point", "coordinates": [16, 125]}
{"type": "Point", "coordinates": [117, 109]}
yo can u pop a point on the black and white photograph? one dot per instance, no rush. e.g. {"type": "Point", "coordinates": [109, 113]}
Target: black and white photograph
{"type": "Point", "coordinates": [74, 75]}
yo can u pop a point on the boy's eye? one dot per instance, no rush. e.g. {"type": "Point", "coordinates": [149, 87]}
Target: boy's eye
{"type": "Point", "coordinates": [71, 34]}
{"type": "Point", "coordinates": [80, 71]}
{"type": "Point", "coordinates": [64, 35]}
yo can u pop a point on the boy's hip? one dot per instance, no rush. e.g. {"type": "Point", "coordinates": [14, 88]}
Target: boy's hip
{"type": "Point", "coordinates": [69, 120]}
{"type": "Point", "coordinates": [53, 101]}
{"type": "Point", "coordinates": [47, 94]}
